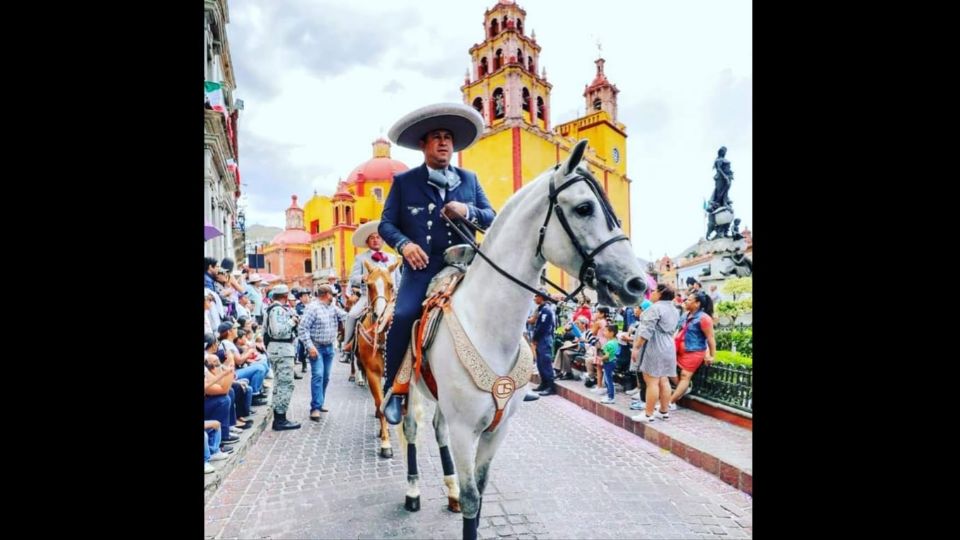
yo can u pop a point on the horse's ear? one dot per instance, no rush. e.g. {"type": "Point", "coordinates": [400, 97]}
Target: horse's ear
{"type": "Point", "coordinates": [367, 265]}
{"type": "Point", "coordinates": [575, 156]}
{"type": "Point", "coordinates": [394, 266]}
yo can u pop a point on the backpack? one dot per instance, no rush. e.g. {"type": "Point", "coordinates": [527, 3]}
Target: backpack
{"type": "Point", "coordinates": [267, 338]}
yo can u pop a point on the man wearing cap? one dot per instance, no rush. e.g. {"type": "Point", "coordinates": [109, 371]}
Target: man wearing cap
{"type": "Point", "coordinates": [366, 236]}
{"type": "Point", "coordinates": [317, 332]}
{"type": "Point", "coordinates": [411, 222]}
{"type": "Point", "coordinates": [542, 341]}
{"type": "Point", "coordinates": [280, 331]}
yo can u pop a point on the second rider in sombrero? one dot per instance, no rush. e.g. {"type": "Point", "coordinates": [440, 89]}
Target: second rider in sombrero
{"type": "Point", "coordinates": [411, 221]}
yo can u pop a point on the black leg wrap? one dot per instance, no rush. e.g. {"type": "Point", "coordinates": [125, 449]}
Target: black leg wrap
{"type": "Point", "coordinates": [446, 461]}
{"type": "Point", "coordinates": [411, 459]}
{"type": "Point", "coordinates": [470, 528]}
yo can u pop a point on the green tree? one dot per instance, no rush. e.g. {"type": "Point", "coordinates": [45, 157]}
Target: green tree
{"type": "Point", "coordinates": [738, 286]}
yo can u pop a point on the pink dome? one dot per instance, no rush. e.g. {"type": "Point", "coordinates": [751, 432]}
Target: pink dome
{"type": "Point", "coordinates": [378, 168]}
{"type": "Point", "coordinates": [292, 236]}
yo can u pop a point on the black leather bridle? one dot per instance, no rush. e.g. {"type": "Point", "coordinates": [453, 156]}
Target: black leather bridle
{"type": "Point", "coordinates": [588, 270]}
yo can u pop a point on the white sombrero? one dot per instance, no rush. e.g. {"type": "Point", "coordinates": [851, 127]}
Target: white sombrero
{"type": "Point", "coordinates": [363, 232]}
{"type": "Point", "coordinates": [463, 121]}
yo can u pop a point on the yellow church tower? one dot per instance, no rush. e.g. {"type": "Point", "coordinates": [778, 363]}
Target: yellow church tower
{"type": "Point", "coordinates": [518, 142]}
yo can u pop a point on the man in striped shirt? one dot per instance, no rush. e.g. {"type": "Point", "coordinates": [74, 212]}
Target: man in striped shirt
{"type": "Point", "coordinates": [317, 332]}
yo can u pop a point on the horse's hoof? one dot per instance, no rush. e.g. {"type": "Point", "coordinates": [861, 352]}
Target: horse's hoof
{"type": "Point", "coordinates": [412, 504]}
{"type": "Point", "coordinates": [388, 453]}
{"type": "Point", "coordinates": [453, 505]}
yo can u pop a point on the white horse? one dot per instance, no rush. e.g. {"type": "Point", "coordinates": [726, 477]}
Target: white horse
{"type": "Point", "coordinates": [584, 241]}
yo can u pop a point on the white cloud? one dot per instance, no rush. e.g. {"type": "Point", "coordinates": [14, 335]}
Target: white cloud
{"type": "Point", "coordinates": [321, 80]}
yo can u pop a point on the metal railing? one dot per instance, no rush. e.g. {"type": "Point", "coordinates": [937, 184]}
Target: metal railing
{"type": "Point", "coordinates": [729, 384]}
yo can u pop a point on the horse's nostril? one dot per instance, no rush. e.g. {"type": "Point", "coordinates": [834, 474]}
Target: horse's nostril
{"type": "Point", "coordinates": [635, 285]}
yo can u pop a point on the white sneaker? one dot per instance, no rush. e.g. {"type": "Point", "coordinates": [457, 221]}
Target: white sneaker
{"type": "Point", "coordinates": [607, 400]}
{"type": "Point", "coordinates": [660, 415]}
{"type": "Point", "coordinates": [672, 407]}
{"type": "Point", "coordinates": [235, 430]}
{"type": "Point", "coordinates": [208, 468]}
{"type": "Point", "coordinates": [219, 456]}
{"type": "Point", "coordinates": [642, 418]}
{"type": "Point", "coordinates": [633, 392]}
{"type": "Point", "coordinates": [599, 390]}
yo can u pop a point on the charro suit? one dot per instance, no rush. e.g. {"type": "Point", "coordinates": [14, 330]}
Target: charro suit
{"type": "Point", "coordinates": [412, 213]}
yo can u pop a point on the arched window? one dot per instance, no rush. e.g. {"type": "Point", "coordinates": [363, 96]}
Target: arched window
{"type": "Point", "coordinates": [484, 67]}
{"type": "Point", "coordinates": [347, 217]}
{"type": "Point", "coordinates": [499, 104]}
{"type": "Point", "coordinates": [478, 105]}
{"type": "Point", "coordinates": [596, 104]}
{"type": "Point", "coordinates": [498, 59]}
{"type": "Point", "coordinates": [525, 99]}
{"type": "Point", "coordinates": [530, 65]}
{"type": "Point", "coordinates": [539, 108]}
{"type": "Point", "coordinates": [519, 26]}
{"type": "Point", "coordinates": [494, 28]}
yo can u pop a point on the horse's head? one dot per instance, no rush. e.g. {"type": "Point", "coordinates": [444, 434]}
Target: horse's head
{"type": "Point", "coordinates": [585, 239]}
{"type": "Point", "coordinates": [379, 287]}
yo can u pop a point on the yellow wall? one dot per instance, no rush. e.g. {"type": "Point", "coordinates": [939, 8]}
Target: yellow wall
{"type": "Point", "coordinates": [492, 159]}
{"type": "Point", "coordinates": [367, 207]}
{"type": "Point", "coordinates": [318, 207]}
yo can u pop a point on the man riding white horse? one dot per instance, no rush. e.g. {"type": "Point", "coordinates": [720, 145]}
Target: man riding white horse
{"type": "Point", "coordinates": [411, 221]}
{"type": "Point", "coordinates": [365, 236]}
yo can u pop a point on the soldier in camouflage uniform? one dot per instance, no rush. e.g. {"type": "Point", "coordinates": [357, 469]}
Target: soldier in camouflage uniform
{"type": "Point", "coordinates": [280, 330]}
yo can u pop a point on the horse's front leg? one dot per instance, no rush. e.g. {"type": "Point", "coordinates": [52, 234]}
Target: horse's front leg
{"type": "Point", "coordinates": [373, 373]}
{"type": "Point", "coordinates": [486, 449]}
{"type": "Point", "coordinates": [449, 473]}
{"type": "Point", "coordinates": [463, 443]}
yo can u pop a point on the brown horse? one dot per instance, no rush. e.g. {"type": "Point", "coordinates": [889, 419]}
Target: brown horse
{"type": "Point", "coordinates": [371, 335]}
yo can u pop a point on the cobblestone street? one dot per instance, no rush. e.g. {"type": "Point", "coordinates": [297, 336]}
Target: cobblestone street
{"type": "Point", "coordinates": [562, 472]}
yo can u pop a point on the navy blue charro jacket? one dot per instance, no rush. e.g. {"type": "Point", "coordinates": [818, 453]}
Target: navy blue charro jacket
{"type": "Point", "coordinates": [412, 211]}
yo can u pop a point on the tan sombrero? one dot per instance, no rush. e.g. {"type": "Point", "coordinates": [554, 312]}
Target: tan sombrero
{"type": "Point", "coordinates": [363, 232]}
{"type": "Point", "coordinates": [567, 345]}
{"type": "Point", "coordinates": [463, 121]}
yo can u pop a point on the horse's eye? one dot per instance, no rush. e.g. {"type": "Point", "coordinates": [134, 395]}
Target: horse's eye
{"type": "Point", "coordinates": [584, 210]}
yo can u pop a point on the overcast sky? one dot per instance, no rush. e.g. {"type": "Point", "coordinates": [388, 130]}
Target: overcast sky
{"type": "Point", "coordinates": [322, 79]}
